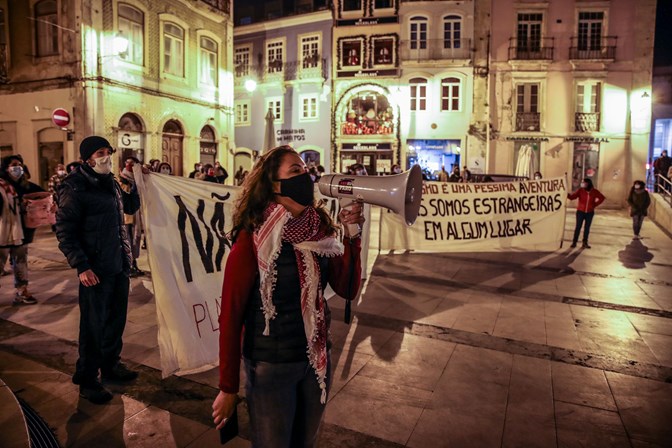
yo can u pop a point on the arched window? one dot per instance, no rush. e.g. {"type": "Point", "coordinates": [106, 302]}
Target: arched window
{"type": "Point", "coordinates": [450, 94]}
{"type": "Point", "coordinates": [418, 33]}
{"type": "Point", "coordinates": [208, 61]}
{"type": "Point", "coordinates": [173, 49]}
{"type": "Point", "coordinates": [46, 27]}
{"type": "Point", "coordinates": [452, 32]}
{"type": "Point", "coordinates": [132, 27]}
{"type": "Point", "coordinates": [418, 94]}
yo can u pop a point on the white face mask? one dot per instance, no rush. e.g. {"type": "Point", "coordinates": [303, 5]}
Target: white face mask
{"type": "Point", "coordinates": [584, 185]}
{"type": "Point", "coordinates": [165, 171]}
{"type": "Point", "coordinates": [360, 173]}
{"type": "Point", "coordinates": [537, 177]}
{"type": "Point", "coordinates": [15, 171]}
{"type": "Point", "coordinates": [60, 172]}
{"type": "Point", "coordinates": [103, 165]}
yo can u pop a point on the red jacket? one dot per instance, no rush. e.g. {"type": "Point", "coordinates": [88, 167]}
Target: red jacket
{"type": "Point", "coordinates": [588, 200]}
{"type": "Point", "coordinates": [239, 277]}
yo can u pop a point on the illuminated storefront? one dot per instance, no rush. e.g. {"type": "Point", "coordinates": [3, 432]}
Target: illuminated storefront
{"type": "Point", "coordinates": [366, 129]}
{"type": "Point", "coordinates": [431, 155]}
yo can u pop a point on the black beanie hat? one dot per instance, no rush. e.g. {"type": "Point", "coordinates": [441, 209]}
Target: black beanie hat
{"type": "Point", "coordinates": [92, 144]}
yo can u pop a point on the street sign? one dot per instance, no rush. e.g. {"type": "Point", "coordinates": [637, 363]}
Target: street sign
{"type": "Point", "coordinates": [129, 139]}
{"type": "Point", "coordinates": [60, 117]}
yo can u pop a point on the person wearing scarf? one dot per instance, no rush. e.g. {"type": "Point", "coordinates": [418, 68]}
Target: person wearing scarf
{"type": "Point", "coordinates": [285, 251]}
{"type": "Point", "coordinates": [639, 202]}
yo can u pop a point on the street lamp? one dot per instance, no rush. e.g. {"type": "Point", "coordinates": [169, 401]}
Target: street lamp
{"type": "Point", "coordinates": [250, 85]}
{"type": "Point", "coordinates": [120, 45]}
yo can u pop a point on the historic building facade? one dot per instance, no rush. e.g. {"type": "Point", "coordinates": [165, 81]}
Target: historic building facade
{"type": "Point", "coordinates": [282, 68]}
{"type": "Point", "coordinates": [570, 90]}
{"type": "Point", "coordinates": [154, 78]}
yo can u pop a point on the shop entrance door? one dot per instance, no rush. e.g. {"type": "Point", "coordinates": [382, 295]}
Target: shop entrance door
{"type": "Point", "coordinates": [585, 163]}
{"type": "Point", "coordinates": [371, 161]}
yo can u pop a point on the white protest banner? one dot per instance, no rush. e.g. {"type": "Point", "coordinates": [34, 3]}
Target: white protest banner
{"type": "Point", "coordinates": [186, 222]}
{"type": "Point", "coordinates": [503, 216]}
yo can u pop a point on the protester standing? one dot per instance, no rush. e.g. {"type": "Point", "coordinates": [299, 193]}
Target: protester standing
{"type": "Point", "coordinates": [91, 233]}
{"type": "Point", "coordinates": [14, 235]}
{"type": "Point", "coordinates": [661, 166]}
{"type": "Point", "coordinates": [284, 254]}
{"type": "Point", "coordinates": [443, 175]}
{"type": "Point", "coordinates": [639, 201]}
{"type": "Point", "coordinates": [165, 168]}
{"type": "Point", "coordinates": [455, 175]}
{"type": "Point", "coordinates": [57, 178]}
{"type": "Point", "coordinates": [197, 170]}
{"type": "Point", "coordinates": [589, 198]}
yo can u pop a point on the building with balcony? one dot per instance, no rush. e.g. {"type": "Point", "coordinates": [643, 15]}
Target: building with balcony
{"type": "Point", "coordinates": [436, 83]}
{"type": "Point", "coordinates": [570, 90]}
{"type": "Point", "coordinates": [282, 61]}
{"type": "Point", "coordinates": [154, 78]}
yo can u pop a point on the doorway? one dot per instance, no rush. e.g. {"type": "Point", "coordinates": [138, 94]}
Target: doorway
{"type": "Point", "coordinates": [585, 163]}
{"type": "Point", "coordinates": [171, 145]}
{"type": "Point", "coordinates": [49, 155]}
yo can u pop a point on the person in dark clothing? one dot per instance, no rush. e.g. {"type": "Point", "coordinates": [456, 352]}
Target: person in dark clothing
{"type": "Point", "coordinates": [210, 176]}
{"type": "Point", "coordinates": [15, 185]}
{"type": "Point", "coordinates": [197, 170]}
{"type": "Point", "coordinates": [639, 201]}
{"type": "Point", "coordinates": [661, 166]}
{"type": "Point", "coordinates": [92, 235]}
{"type": "Point", "coordinates": [589, 198]}
{"type": "Point", "coordinates": [220, 173]}
{"type": "Point", "coordinates": [455, 175]}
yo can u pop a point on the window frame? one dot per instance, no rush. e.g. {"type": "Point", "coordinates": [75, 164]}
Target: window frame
{"type": "Point", "coordinates": [275, 43]}
{"type": "Point", "coordinates": [213, 56]}
{"type": "Point", "coordinates": [528, 95]}
{"type": "Point", "coordinates": [343, 57]}
{"type": "Point", "coordinates": [164, 34]}
{"type": "Point", "coordinates": [413, 42]}
{"type": "Point", "coordinates": [393, 50]}
{"type": "Point", "coordinates": [451, 82]}
{"type": "Point", "coordinates": [603, 30]}
{"type": "Point", "coordinates": [245, 48]}
{"type": "Point", "coordinates": [278, 107]}
{"type": "Point", "coordinates": [416, 96]}
{"type": "Point", "coordinates": [242, 104]}
{"type": "Point", "coordinates": [362, 3]}
{"type": "Point", "coordinates": [51, 28]}
{"type": "Point", "coordinates": [452, 19]}
{"type": "Point", "coordinates": [132, 43]}
{"type": "Point", "coordinates": [309, 96]}
{"type": "Point", "coordinates": [302, 40]}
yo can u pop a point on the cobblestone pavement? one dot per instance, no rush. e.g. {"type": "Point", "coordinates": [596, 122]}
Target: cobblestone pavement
{"type": "Point", "coordinates": [570, 348]}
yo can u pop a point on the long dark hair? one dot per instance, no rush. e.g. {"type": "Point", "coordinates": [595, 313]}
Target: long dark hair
{"type": "Point", "coordinates": [589, 184]}
{"type": "Point", "coordinates": [257, 194]}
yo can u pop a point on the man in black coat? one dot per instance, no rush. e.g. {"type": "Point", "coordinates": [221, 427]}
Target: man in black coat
{"type": "Point", "coordinates": [92, 235]}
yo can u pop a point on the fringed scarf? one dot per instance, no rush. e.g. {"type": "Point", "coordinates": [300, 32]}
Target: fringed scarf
{"type": "Point", "coordinates": [310, 240]}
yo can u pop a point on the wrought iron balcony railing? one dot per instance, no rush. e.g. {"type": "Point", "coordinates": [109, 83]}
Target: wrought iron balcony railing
{"type": "Point", "coordinates": [222, 5]}
{"type": "Point", "coordinates": [308, 68]}
{"type": "Point", "coordinates": [435, 49]}
{"type": "Point", "coordinates": [528, 121]}
{"type": "Point", "coordinates": [587, 121]}
{"type": "Point", "coordinates": [4, 64]}
{"type": "Point", "coordinates": [531, 49]}
{"type": "Point", "coordinates": [589, 48]}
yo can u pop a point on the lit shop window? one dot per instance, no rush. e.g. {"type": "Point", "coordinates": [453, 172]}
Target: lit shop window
{"type": "Point", "coordinates": [368, 113]}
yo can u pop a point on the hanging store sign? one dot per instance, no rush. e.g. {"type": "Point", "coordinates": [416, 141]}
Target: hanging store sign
{"type": "Point", "coordinates": [366, 147]}
{"type": "Point", "coordinates": [129, 139]}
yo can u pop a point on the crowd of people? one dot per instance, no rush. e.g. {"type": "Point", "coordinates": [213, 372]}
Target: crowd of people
{"type": "Point", "coordinates": [285, 250]}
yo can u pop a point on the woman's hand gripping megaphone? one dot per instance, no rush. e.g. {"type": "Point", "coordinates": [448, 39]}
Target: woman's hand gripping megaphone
{"type": "Point", "coordinates": [351, 217]}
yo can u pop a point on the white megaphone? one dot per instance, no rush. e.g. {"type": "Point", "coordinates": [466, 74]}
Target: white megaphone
{"type": "Point", "coordinates": [401, 193]}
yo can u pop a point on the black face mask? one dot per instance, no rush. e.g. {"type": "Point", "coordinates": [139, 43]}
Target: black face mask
{"type": "Point", "coordinates": [298, 188]}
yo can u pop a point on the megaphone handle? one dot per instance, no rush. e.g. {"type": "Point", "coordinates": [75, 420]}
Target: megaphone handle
{"type": "Point", "coordinates": [354, 230]}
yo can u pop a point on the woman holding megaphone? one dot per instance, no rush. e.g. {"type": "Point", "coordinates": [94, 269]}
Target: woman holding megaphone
{"type": "Point", "coordinates": [285, 251]}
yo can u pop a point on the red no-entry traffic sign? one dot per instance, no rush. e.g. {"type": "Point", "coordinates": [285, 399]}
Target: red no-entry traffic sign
{"type": "Point", "coordinates": [60, 117]}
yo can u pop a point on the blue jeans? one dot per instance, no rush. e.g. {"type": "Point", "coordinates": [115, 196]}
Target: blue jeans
{"type": "Point", "coordinates": [18, 257]}
{"type": "Point", "coordinates": [580, 218]}
{"type": "Point", "coordinates": [284, 403]}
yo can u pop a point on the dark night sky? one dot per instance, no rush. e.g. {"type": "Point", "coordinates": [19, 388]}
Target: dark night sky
{"type": "Point", "coordinates": [662, 54]}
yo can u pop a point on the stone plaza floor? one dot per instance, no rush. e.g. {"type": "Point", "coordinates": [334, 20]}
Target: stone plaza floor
{"type": "Point", "coordinates": [570, 349]}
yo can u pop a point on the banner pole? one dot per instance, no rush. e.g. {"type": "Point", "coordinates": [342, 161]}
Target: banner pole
{"type": "Point", "coordinates": [380, 227]}
{"type": "Point", "coordinates": [564, 218]}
